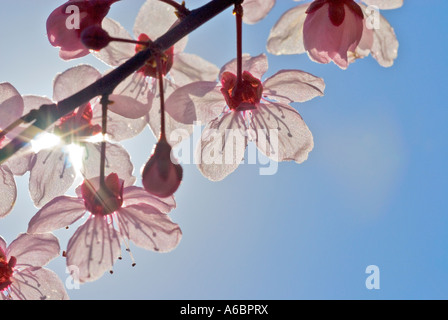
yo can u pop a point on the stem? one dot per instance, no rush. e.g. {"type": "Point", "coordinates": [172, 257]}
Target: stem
{"type": "Point", "coordinates": [48, 114]}
{"type": "Point", "coordinates": [104, 104]}
{"type": "Point", "coordinates": [238, 11]}
{"type": "Point", "coordinates": [162, 98]}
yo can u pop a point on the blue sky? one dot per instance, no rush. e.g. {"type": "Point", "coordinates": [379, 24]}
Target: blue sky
{"type": "Point", "coordinates": [372, 192]}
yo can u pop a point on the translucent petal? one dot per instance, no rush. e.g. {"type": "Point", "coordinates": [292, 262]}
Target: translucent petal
{"type": "Point", "coordinates": [58, 213]}
{"type": "Point", "coordinates": [8, 190]}
{"type": "Point", "coordinates": [255, 10]}
{"type": "Point", "coordinates": [11, 104]}
{"type": "Point", "coordinates": [293, 86]}
{"type": "Point", "coordinates": [51, 175]}
{"type": "Point", "coordinates": [34, 249]}
{"type": "Point", "coordinates": [148, 228]}
{"type": "Point", "coordinates": [188, 68]}
{"type": "Point", "coordinates": [36, 283]}
{"type": "Point", "coordinates": [198, 101]}
{"type": "Point", "coordinates": [222, 146]}
{"type": "Point", "coordinates": [93, 249]}
{"type": "Point", "coordinates": [286, 37]}
{"type": "Point", "coordinates": [385, 4]}
{"type": "Point", "coordinates": [73, 80]}
{"type": "Point", "coordinates": [281, 134]}
{"type": "Point", "coordinates": [116, 52]}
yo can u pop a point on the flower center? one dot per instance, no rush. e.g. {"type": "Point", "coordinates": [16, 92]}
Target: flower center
{"type": "Point", "coordinates": [107, 199]}
{"type": "Point", "coordinates": [150, 67]}
{"type": "Point", "coordinates": [243, 96]}
{"type": "Point", "coordinates": [74, 126]}
{"type": "Point", "coordinates": [6, 270]}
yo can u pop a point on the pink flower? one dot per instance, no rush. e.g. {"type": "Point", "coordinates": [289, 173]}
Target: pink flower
{"type": "Point", "coordinates": [254, 110]}
{"type": "Point", "coordinates": [331, 29]}
{"type": "Point", "coordinates": [22, 276]}
{"type": "Point", "coordinates": [335, 30]}
{"type": "Point", "coordinates": [55, 168]}
{"type": "Point", "coordinates": [153, 20]}
{"type": "Point", "coordinates": [115, 214]}
{"type": "Point", "coordinates": [66, 23]}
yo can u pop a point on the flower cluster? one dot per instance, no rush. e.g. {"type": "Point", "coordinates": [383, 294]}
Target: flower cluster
{"type": "Point", "coordinates": [172, 90]}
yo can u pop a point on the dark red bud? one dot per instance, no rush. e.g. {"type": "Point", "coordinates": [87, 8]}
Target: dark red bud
{"type": "Point", "coordinates": [161, 177]}
{"type": "Point", "coordinates": [95, 38]}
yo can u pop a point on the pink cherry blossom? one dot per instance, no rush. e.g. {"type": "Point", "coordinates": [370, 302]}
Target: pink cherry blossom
{"type": "Point", "coordinates": [254, 111]}
{"type": "Point", "coordinates": [53, 170]}
{"type": "Point", "coordinates": [115, 214]}
{"type": "Point", "coordinates": [153, 20]}
{"type": "Point", "coordinates": [22, 276]}
{"type": "Point", "coordinates": [337, 31]}
{"type": "Point", "coordinates": [66, 23]}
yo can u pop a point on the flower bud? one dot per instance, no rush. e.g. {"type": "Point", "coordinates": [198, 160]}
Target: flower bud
{"type": "Point", "coordinates": [161, 177]}
{"type": "Point", "coordinates": [95, 38]}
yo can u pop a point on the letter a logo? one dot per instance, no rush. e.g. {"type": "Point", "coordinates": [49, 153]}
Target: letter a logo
{"type": "Point", "coordinates": [373, 280]}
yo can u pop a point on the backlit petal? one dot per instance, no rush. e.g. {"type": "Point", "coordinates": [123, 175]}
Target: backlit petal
{"type": "Point", "coordinates": [34, 249]}
{"type": "Point", "coordinates": [93, 248]}
{"type": "Point", "coordinates": [286, 37]}
{"type": "Point", "coordinates": [58, 213]}
{"type": "Point", "coordinates": [148, 228]}
{"type": "Point", "coordinates": [293, 86]}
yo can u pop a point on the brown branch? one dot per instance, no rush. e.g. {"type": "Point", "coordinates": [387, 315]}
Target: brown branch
{"type": "Point", "coordinates": [48, 114]}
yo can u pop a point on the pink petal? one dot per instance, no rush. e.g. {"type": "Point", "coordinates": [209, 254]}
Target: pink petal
{"type": "Point", "coordinates": [364, 46]}
{"type": "Point", "coordinates": [255, 10]}
{"type": "Point", "coordinates": [286, 37]}
{"type": "Point", "coordinates": [222, 146]}
{"type": "Point", "coordinates": [58, 213]}
{"type": "Point", "coordinates": [116, 52]}
{"type": "Point", "coordinates": [148, 228]}
{"type": "Point", "coordinates": [198, 101]}
{"type": "Point", "coordinates": [385, 4]}
{"type": "Point", "coordinates": [50, 176]}
{"type": "Point", "coordinates": [132, 98]}
{"type": "Point", "coordinates": [60, 36]}
{"type": "Point", "coordinates": [73, 80]}
{"type": "Point", "coordinates": [68, 39]}
{"type": "Point", "coordinates": [385, 44]}
{"type": "Point", "coordinates": [136, 195]}
{"type": "Point", "coordinates": [154, 19]}
{"type": "Point", "coordinates": [32, 102]}
{"type": "Point", "coordinates": [188, 68]}
{"type": "Point", "coordinates": [293, 86]}
{"type": "Point", "coordinates": [11, 104]}
{"type": "Point", "coordinates": [93, 248]}
{"type": "Point", "coordinates": [257, 66]}
{"type": "Point", "coordinates": [34, 249]}
{"type": "Point", "coordinates": [3, 246]}
{"type": "Point", "coordinates": [20, 162]}
{"type": "Point", "coordinates": [326, 42]}
{"type": "Point", "coordinates": [8, 191]}
{"type": "Point", "coordinates": [281, 133]}
{"type": "Point", "coordinates": [119, 128]}
{"type": "Point", "coordinates": [118, 161]}
{"type": "Point", "coordinates": [37, 284]}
